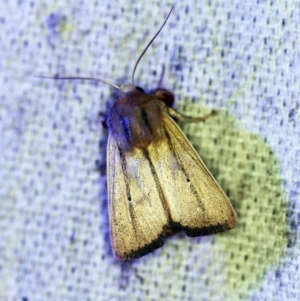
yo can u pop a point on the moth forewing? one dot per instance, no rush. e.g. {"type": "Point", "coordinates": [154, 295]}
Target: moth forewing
{"type": "Point", "coordinates": [197, 203]}
{"type": "Point", "coordinates": [137, 217]}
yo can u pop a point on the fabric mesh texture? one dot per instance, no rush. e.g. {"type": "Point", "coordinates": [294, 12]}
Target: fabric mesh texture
{"type": "Point", "coordinates": [241, 59]}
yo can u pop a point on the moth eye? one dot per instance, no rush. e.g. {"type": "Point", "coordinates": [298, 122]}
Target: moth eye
{"type": "Point", "coordinates": [165, 96]}
{"type": "Point", "coordinates": [140, 89]}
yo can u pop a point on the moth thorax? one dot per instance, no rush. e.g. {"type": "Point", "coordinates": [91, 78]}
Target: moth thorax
{"type": "Point", "coordinates": [135, 120]}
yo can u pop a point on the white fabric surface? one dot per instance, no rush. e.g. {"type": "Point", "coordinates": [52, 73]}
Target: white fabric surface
{"type": "Point", "coordinates": [241, 58]}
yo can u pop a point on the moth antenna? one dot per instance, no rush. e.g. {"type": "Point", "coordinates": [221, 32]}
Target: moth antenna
{"type": "Point", "coordinates": [83, 78]}
{"type": "Point", "coordinates": [137, 62]}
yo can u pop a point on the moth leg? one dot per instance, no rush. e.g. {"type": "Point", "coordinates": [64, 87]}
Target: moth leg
{"type": "Point", "coordinates": [173, 113]}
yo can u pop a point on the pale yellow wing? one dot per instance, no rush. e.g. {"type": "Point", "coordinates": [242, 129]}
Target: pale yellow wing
{"type": "Point", "coordinates": [196, 202]}
{"type": "Point", "coordinates": [138, 219]}
{"type": "Point", "coordinates": [159, 189]}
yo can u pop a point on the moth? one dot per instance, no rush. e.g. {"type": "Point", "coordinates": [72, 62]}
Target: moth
{"type": "Point", "coordinates": [157, 183]}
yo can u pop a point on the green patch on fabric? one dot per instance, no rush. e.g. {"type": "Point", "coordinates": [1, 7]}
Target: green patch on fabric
{"type": "Point", "coordinates": [248, 171]}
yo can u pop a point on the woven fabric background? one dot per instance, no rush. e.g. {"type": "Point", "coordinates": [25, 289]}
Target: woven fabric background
{"type": "Point", "coordinates": [240, 58]}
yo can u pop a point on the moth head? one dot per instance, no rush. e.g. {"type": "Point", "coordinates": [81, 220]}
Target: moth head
{"type": "Point", "coordinates": [127, 88]}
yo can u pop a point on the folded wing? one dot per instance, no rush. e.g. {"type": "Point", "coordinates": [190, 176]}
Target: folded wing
{"type": "Point", "coordinates": [197, 203]}
{"type": "Point", "coordinates": [160, 189]}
